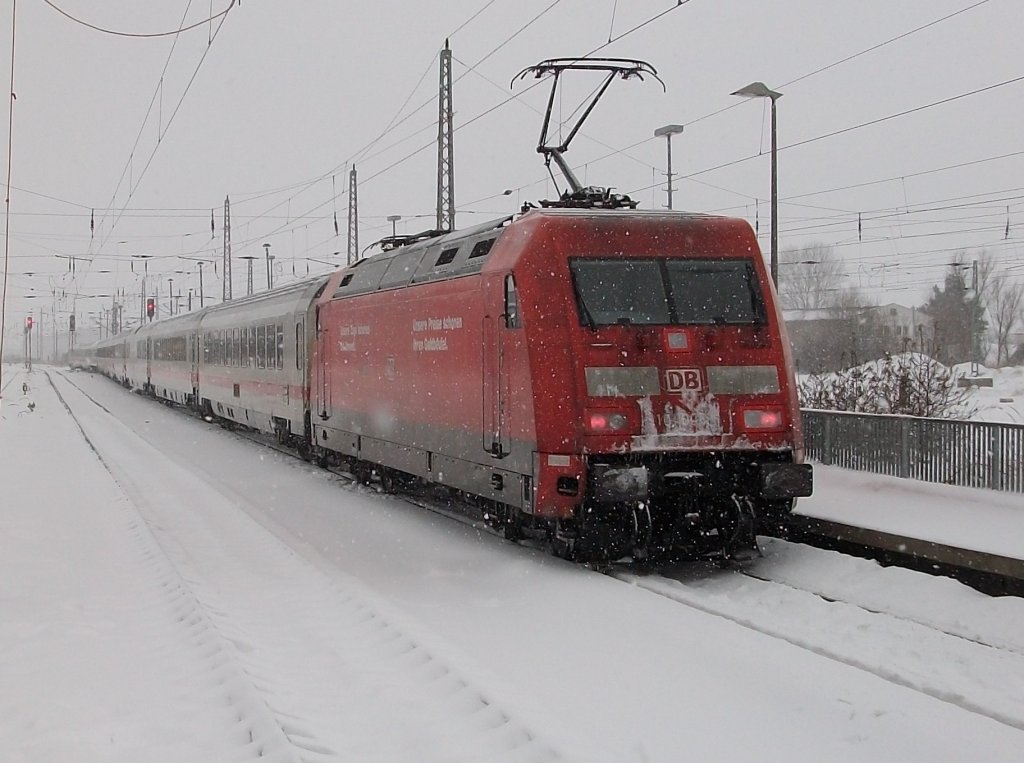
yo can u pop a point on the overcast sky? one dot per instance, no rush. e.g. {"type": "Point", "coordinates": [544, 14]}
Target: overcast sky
{"type": "Point", "coordinates": [287, 95]}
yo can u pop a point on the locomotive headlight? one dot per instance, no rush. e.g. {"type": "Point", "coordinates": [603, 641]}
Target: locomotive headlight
{"type": "Point", "coordinates": [768, 418]}
{"type": "Point", "coordinates": [605, 422]}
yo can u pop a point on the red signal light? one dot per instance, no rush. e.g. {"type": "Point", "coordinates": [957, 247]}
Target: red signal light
{"type": "Point", "coordinates": [28, 323]}
{"type": "Point", "coordinates": [150, 307]}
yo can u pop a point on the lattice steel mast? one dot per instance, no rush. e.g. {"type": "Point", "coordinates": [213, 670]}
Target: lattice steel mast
{"type": "Point", "coordinates": [445, 152]}
{"type": "Point", "coordinates": [353, 216]}
{"type": "Point", "coordinates": [226, 269]}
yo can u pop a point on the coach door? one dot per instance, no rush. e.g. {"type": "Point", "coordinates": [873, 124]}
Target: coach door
{"type": "Point", "coordinates": [502, 314]}
{"type": "Point", "coordinates": [321, 381]}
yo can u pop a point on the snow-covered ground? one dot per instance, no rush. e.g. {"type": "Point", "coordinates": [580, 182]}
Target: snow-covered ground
{"type": "Point", "coordinates": [1004, 400]}
{"type": "Point", "coordinates": [172, 592]}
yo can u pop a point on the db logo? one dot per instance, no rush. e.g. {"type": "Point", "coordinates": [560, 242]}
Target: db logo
{"type": "Point", "coordinates": [680, 379]}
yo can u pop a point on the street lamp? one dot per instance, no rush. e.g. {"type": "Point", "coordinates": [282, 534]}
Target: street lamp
{"type": "Point", "coordinates": [760, 90]}
{"type": "Point", "coordinates": [668, 131]}
{"type": "Point", "coordinates": [394, 219]}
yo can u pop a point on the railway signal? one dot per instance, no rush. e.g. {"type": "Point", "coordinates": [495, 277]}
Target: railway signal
{"type": "Point", "coordinates": [150, 307]}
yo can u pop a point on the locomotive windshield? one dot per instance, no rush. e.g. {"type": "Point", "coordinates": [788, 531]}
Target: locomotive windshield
{"type": "Point", "coordinates": [667, 291]}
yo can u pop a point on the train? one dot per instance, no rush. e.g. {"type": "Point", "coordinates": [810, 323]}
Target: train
{"type": "Point", "coordinates": [615, 382]}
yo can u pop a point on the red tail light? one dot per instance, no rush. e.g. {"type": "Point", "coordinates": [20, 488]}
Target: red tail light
{"type": "Point", "coordinates": [766, 419]}
{"type": "Point", "coordinates": [605, 422]}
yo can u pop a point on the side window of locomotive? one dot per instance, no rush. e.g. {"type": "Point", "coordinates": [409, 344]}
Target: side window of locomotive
{"type": "Point", "coordinates": [619, 291]}
{"type": "Point", "coordinates": [481, 248]}
{"type": "Point", "coordinates": [708, 292]}
{"type": "Point", "coordinates": [511, 303]}
{"type": "Point", "coordinates": [447, 256]}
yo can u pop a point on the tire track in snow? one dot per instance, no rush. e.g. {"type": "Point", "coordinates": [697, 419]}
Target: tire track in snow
{"type": "Point", "coordinates": [344, 666]}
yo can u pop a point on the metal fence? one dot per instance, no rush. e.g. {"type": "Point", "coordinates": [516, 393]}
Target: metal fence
{"type": "Point", "coordinates": [974, 454]}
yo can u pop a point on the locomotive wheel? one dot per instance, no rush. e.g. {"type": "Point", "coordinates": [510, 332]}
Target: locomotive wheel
{"type": "Point", "coordinates": [741, 544]}
{"type": "Point", "coordinates": [606, 532]}
{"type": "Point", "coordinates": [512, 525]}
{"type": "Point", "coordinates": [387, 479]}
{"type": "Point", "coordinates": [643, 532]}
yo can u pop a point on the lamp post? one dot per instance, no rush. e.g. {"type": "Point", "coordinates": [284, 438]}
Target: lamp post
{"type": "Point", "coordinates": [668, 131]}
{"type": "Point", "coordinates": [760, 90]}
{"type": "Point", "coordinates": [393, 219]}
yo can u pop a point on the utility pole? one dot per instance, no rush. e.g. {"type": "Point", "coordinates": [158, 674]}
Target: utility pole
{"type": "Point", "coordinates": [248, 258]}
{"type": "Point", "coordinates": [353, 217]}
{"type": "Point", "coordinates": [200, 284]}
{"type": "Point", "coordinates": [226, 270]}
{"type": "Point", "coordinates": [445, 146]}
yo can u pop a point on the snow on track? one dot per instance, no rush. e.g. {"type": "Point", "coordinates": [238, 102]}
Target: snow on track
{"type": "Point", "coordinates": [845, 618]}
{"type": "Point", "coordinates": [272, 621]}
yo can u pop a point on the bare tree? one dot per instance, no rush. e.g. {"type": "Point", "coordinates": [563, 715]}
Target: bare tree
{"type": "Point", "coordinates": [910, 384]}
{"type": "Point", "coordinates": [812, 278]}
{"type": "Point", "coordinates": [1004, 308]}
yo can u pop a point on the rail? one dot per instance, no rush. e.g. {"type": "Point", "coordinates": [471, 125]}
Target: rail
{"type": "Point", "coordinates": [968, 453]}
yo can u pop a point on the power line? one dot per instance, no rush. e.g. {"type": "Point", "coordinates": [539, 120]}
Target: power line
{"type": "Point", "coordinates": [844, 130]}
{"type": "Point", "coordinates": [171, 33]}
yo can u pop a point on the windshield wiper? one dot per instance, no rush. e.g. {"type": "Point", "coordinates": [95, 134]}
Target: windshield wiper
{"type": "Point", "coordinates": [588, 318]}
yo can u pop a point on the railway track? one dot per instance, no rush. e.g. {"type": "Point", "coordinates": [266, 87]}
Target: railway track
{"type": "Point", "coordinates": [251, 614]}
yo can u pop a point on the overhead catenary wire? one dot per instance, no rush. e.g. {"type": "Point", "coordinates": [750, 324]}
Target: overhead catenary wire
{"type": "Point", "coordinates": [499, 105]}
{"type": "Point", "coordinates": [170, 120]}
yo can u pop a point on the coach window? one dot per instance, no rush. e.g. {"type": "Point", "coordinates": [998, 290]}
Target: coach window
{"type": "Point", "coordinates": [298, 346]}
{"type": "Point", "coordinates": [511, 303]}
{"type": "Point", "coordinates": [280, 346]}
{"type": "Point", "coordinates": [261, 346]}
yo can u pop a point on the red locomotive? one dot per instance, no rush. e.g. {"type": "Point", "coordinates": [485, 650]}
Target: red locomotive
{"type": "Point", "coordinates": [620, 379]}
